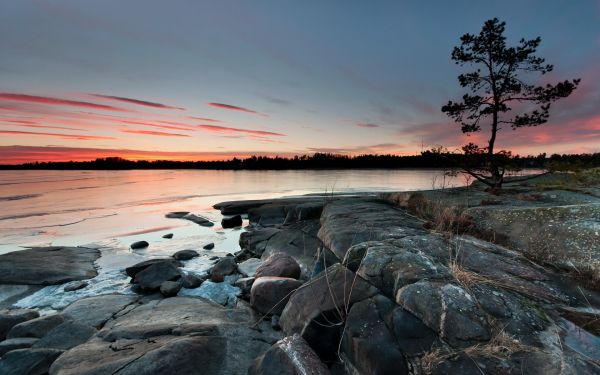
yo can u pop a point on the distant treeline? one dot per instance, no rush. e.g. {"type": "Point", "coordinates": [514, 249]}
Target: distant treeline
{"type": "Point", "coordinates": [426, 159]}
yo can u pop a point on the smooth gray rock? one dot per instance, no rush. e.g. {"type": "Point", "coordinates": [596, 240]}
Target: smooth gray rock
{"type": "Point", "coordinates": [10, 318]}
{"type": "Point", "coordinates": [170, 288]}
{"type": "Point", "coordinates": [75, 285]}
{"type": "Point", "coordinates": [197, 219]}
{"type": "Point", "coordinates": [289, 356]}
{"type": "Point", "coordinates": [139, 267]}
{"type": "Point", "coordinates": [225, 266]}
{"type": "Point", "coordinates": [95, 311]}
{"type": "Point", "coordinates": [37, 327]}
{"type": "Point", "coordinates": [270, 294]}
{"type": "Point", "coordinates": [191, 280]}
{"type": "Point", "coordinates": [28, 361]}
{"type": "Point", "coordinates": [66, 336]}
{"type": "Point", "coordinates": [48, 265]}
{"type": "Point", "coordinates": [221, 293]}
{"type": "Point", "coordinates": [185, 254]}
{"type": "Point", "coordinates": [232, 222]}
{"type": "Point", "coordinates": [279, 265]}
{"type": "Point", "coordinates": [248, 267]}
{"type": "Point", "coordinates": [139, 245]}
{"type": "Point", "coordinates": [245, 285]}
{"type": "Point", "coordinates": [153, 276]}
{"type": "Point", "coordinates": [209, 246]}
{"type": "Point", "coordinates": [168, 236]}
{"type": "Point", "coordinates": [16, 343]}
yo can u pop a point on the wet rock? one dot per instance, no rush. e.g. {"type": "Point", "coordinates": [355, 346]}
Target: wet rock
{"type": "Point", "coordinates": [170, 288]}
{"type": "Point", "coordinates": [275, 323]}
{"type": "Point", "coordinates": [16, 343]}
{"type": "Point", "coordinates": [139, 245]}
{"type": "Point", "coordinates": [132, 271]}
{"type": "Point", "coordinates": [10, 318]}
{"type": "Point", "coordinates": [66, 336]}
{"type": "Point", "coordinates": [95, 311]}
{"type": "Point", "coordinates": [75, 285]}
{"type": "Point", "coordinates": [270, 294]}
{"type": "Point", "coordinates": [248, 267]}
{"type": "Point", "coordinates": [28, 361]}
{"type": "Point", "coordinates": [168, 236]}
{"type": "Point", "coordinates": [232, 222]}
{"type": "Point", "coordinates": [191, 281]}
{"type": "Point", "coordinates": [185, 254]}
{"type": "Point", "coordinates": [245, 285]}
{"type": "Point", "coordinates": [48, 265]}
{"type": "Point", "coordinates": [447, 309]}
{"type": "Point", "coordinates": [289, 356]}
{"type": "Point", "coordinates": [279, 265]}
{"type": "Point", "coordinates": [315, 310]}
{"type": "Point", "coordinates": [221, 293]}
{"type": "Point", "coordinates": [202, 221]}
{"type": "Point", "coordinates": [153, 276]}
{"type": "Point", "coordinates": [209, 246]}
{"type": "Point", "coordinates": [225, 266]}
{"type": "Point", "coordinates": [368, 345]}
{"type": "Point", "coordinates": [37, 327]}
{"type": "Point", "coordinates": [256, 240]}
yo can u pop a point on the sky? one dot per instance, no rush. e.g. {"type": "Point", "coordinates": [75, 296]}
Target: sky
{"type": "Point", "coordinates": [207, 80]}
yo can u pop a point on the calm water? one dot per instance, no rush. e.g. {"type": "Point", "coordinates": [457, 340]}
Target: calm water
{"type": "Point", "coordinates": [118, 207]}
{"type": "Point", "coordinates": [111, 209]}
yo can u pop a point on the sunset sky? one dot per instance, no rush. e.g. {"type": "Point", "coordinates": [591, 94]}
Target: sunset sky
{"type": "Point", "coordinates": [215, 79]}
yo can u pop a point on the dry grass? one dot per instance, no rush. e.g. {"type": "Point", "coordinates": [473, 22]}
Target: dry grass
{"type": "Point", "coordinates": [432, 359]}
{"type": "Point", "coordinates": [439, 216]}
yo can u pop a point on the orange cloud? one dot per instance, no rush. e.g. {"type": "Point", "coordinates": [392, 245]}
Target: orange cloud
{"type": "Point", "coordinates": [57, 101]}
{"type": "Point", "coordinates": [66, 136]}
{"type": "Point", "coordinates": [150, 132]}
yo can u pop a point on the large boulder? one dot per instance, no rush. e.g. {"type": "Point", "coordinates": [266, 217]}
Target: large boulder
{"type": "Point", "coordinates": [132, 271]}
{"type": "Point", "coordinates": [248, 267]}
{"type": "Point", "coordinates": [225, 266]}
{"type": "Point", "coordinates": [185, 254]}
{"type": "Point", "coordinates": [37, 327]}
{"type": "Point", "coordinates": [279, 265]}
{"type": "Point", "coordinates": [66, 336]}
{"type": "Point", "coordinates": [176, 335]}
{"type": "Point", "coordinates": [448, 309]}
{"type": "Point", "coordinates": [10, 318]}
{"type": "Point", "coordinates": [170, 288]}
{"type": "Point", "coordinates": [289, 356]}
{"type": "Point", "coordinates": [16, 343]}
{"type": "Point", "coordinates": [153, 276]}
{"type": "Point", "coordinates": [232, 222]}
{"type": "Point", "coordinates": [95, 311]}
{"type": "Point", "coordinates": [48, 265]}
{"type": "Point", "coordinates": [317, 309]}
{"type": "Point", "coordinates": [28, 361]}
{"type": "Point", "coordinates": [270, 294]}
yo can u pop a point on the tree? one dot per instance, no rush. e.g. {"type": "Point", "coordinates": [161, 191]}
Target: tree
{"type": "Point", "coordinates": [495, 86]}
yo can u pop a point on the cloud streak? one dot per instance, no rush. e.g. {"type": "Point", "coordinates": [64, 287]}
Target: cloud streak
{"type": "Point", "coordinates": [226, 129]}
{"type": "Point", "coordinates": [65, 136]}
{"type": "Point", "coordinates": [367, 125]}
{"type": "Point", "coordinates": [150, 132]}
{"type": "Point", "coordinates": [57, 101]}
{"type": "Point", "coordinates": [138, 102]}
{"type": "Point", "coordinates": [234, 108]}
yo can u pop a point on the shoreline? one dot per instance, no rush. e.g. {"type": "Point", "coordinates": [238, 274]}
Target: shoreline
{"type": "Point", "coordinates": [344, 259]}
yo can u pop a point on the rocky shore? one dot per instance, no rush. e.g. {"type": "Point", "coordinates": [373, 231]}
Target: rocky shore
{"type": "Point", "coordinates": [440, 282]}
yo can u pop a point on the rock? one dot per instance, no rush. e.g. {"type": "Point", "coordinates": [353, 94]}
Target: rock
{"type": "Point", "coordinates": [66, 336]}
{"type": "Point", "coordinates": [448, 309]}
{"type": "Point", "coordinates": [139, 245]}
{"type": "Point", "coordinates": [218, 292]}
{"type": "Point", "coordinates": [232, 222]}
{"type": "Point", "coordinates": [270, 294]}
{"type": "Point", "coordinates": [168, 236]}
{"type": "Point", "coordinates": [75, 285]}
{"type": "Point", "coordinates": [185, 254]}
{"type": "Point", "coordinates": [256, 240]}
{"type": "Point", "coordinates": [48, 265]}
{"type": "Point", "coordinates": [245, 285]}
{"type": "Point", "coordinates": [202, 221]}
{"type": "Point", "coordinates": [289, 356]}
{"type": "Point", "coordinates": [191, 281]}
{"type": "Point", "coordinates": [10, 318]}
{"type": "Point", "coordinates": [170, 288]}
{"type": "Point", "coordinates": [138, 267]}
{"type": "Point", "coordinates": [95, 311]}
{"type": "Point", "coordinates": [275, 323]}
{"type": "Point", "coordinates": [279, 265]}
{"type": "Point", "coordinates": [178, 335]}
{"type": "Point", "coordinates": [225, 266]}
{"type": "Point", "coordinates": [243, 207]}
{"type": "Point", "coordinates": [315, 309]}
{"type": "Point", "coordinates": [153, 276]}
{"type": "Point", "coordinates": [28, 361]}
{"type": "Point", "coordinates": [209, 246]}
{"type": "Point", "coordinates": [16, 343]}
{"type": "Point", "coordinates": [248, 267]}
{"type": "Point", "coordinates": [37, 327]}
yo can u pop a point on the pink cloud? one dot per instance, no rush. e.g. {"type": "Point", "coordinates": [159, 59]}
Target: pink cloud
{"type": "Point", "coordinates": [150, 132]}
{"type": "Point", "coordinates": [225, 129]}
{"type": "Point", "coordinates": [57, 101]}
{"type": "Point", "coordinates": [66, 136]}
{"type": "Point", "coordinates": [137, 101]}
{"type": "Point", "coordinates": [131, 122]}
{"type": "Point", "coordinates": [203, 119]}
